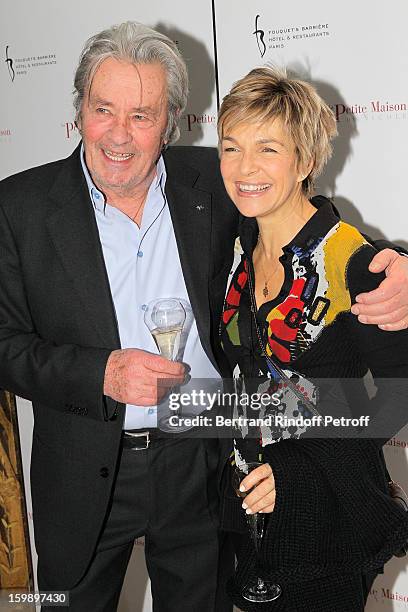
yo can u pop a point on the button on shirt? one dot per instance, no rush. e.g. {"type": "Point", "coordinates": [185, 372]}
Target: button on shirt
{"type": "Point", "coordinates": [143, 264]}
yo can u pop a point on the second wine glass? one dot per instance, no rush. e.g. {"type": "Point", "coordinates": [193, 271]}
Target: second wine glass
{"type": "Point", "coordinates": [257, 590]}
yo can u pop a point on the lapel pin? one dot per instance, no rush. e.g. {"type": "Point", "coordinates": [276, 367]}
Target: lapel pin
{"type": "Point", "coordinates": [200, 207]}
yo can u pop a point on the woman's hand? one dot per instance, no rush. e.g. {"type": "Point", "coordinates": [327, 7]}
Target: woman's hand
{"type": "Point", "coordinates": [263, 494]}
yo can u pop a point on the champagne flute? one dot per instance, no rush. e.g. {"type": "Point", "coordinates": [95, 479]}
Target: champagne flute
{"type": "Point", "coordinates": [165, 319]}
{"type": "Point", "coordinates": [259, 590]}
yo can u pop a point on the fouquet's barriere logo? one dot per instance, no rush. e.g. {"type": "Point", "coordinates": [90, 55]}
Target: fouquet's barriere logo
{"type": "Point", "coordinates": [260, 37]}
{"type": "Point", "coordinates": [9, 63]}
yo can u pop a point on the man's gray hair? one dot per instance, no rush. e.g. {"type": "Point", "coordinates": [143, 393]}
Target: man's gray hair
{"type": "Point", "coordinates": [136, 43]}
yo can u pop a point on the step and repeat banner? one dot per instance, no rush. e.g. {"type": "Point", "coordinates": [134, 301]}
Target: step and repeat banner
{"type": "Point", "coordinates": [355, 53]}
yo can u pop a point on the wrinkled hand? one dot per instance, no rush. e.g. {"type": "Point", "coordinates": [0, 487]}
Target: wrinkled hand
{"type": "Point", "coordinates": [386, 306]}
{"type": "Point", "coordinates": [263, 494]}
{"type": "Point", "coordinates": [137, 377]}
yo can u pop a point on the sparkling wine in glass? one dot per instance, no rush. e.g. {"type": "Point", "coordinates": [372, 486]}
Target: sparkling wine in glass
{"type": "Point", "coordinates": [258, 590]}
{"type": "Point", "coordinates": [165, 319]}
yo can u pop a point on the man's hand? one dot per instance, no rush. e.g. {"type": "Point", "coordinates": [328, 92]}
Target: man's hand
{"type": "Point", "coordinates": [386, 306]}
{"type": "Point", "coordinates": [137, 377]}
{"type": "Point", "coordinates": [263, 494]}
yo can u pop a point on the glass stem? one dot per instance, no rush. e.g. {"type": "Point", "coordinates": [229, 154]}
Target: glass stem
{"type": "Point", "coordinates": [261, 585]}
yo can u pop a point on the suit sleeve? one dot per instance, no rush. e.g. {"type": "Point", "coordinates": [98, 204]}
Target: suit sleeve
{"type": "Point", "coordinates": [384, 353]}
{"type": "Point", "coordinates": [385, 244]}
{"type": "Point", "coordinates": [64, 377]}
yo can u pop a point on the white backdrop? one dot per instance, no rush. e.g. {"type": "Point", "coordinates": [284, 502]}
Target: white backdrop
{"type": "Point", "coordinates": [355, 53]}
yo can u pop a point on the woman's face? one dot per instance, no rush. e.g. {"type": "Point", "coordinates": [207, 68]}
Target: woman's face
{"type": "Point", "coordinates": [259, 167]}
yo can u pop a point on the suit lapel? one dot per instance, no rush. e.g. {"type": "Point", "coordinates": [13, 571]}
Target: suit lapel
{"type": "Point", "coordinates": [73, 230]}
{"type": "Point", "coordinates": [190, 209]}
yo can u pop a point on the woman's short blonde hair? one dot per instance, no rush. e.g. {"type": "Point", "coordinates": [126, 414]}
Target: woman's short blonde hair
{"type": "Point", "coordinates": [268, 93]}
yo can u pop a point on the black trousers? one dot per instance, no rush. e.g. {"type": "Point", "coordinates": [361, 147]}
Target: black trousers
{"type": "Point", "coordinates": [168, 494]}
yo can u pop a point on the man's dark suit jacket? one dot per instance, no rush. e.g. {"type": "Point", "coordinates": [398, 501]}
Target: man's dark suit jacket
{"type": "Point", "coordinates": [58, 327]}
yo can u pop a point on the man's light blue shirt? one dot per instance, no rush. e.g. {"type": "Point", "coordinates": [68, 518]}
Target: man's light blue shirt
{"type": "Point", "coordinates": [143, 264]}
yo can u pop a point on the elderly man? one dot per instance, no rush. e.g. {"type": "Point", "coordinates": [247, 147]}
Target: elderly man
{"type": "Point", "coordinates": [85, 243]}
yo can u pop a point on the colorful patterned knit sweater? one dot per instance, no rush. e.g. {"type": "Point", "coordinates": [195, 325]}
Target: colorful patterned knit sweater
{"type": "Point", "coordinates": [333, 515]}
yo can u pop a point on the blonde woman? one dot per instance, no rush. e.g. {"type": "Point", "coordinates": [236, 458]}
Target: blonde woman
{"type": "Point", "coordinates": [331, 524]}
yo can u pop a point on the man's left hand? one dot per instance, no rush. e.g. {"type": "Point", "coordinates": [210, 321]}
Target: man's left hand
{"type": "Point", "coordinates": [386, 306]}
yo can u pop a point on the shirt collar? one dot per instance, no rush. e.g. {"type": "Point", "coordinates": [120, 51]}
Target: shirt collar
{"type": "Point", "coordinates": [309, 236]}
{"type": "Point", "coordinates": [98, 198]}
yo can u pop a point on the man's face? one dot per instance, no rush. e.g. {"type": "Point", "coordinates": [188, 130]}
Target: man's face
{"type": "Point", "coordinates": [122, 122]}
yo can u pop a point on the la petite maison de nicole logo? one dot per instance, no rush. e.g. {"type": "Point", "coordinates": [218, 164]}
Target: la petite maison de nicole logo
{"type": "Point", "coordinates": [9, 63]}
{"type": "Point", "coordinates": [260, 37]}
